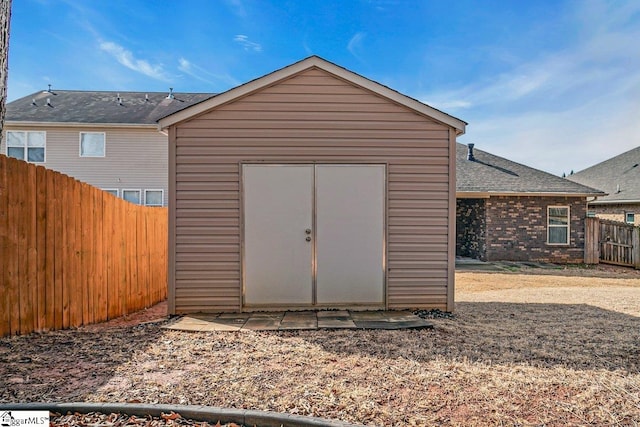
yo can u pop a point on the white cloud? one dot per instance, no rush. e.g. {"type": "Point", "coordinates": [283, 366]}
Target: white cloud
{"type": "Point", "coordinates": [355, 44]}
{"type": "Point", "coordinates": [558, 142]}
{"type": "Point", "coordinates": [203, 75]}
{"type": "Point", "coordinates": [126, 58]}
{"type": "Point", "coordinates": [564, 109]}
{"type": "Point", "coordinates": [247, 44]}
{"type": "Point", "coordinates": [237, 7]}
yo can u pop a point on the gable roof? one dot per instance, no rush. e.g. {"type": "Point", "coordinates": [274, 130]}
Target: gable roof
{"type": "Point", "coordinates": [491, 175]}
{"type": "Point", "coordinates": [73, 107]}
{"type": "Point", "coordinates": [303, 65]}
{"type": "Point", "coordinates": [618, 176]}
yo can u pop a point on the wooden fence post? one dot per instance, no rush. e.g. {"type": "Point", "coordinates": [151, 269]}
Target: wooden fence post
{"type": "Point", "coordinates": [636, 247]}
{"type": "Point", "coordinates": [591, 241]}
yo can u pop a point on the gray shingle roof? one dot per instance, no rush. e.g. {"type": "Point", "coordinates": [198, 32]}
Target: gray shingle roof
{"type": "Point", "coordinates": [494, 174]}
{"type": "Point", "coordinates": [71, 106]}
{"type": "Point", "coordinates": [621, 173]}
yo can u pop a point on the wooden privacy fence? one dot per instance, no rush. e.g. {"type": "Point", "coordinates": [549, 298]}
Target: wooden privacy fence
{"type": "Point", "coordinates": [71, 254]}
{"type": "Point", "coordinates": [612, 242]}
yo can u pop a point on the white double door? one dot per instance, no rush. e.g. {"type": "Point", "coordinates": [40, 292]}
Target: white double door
{"type": "Point", "coordinates": [313, 235]}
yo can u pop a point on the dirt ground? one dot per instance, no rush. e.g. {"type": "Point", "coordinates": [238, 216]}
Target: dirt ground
{"type": "Point", "coordinates": [554, 349]}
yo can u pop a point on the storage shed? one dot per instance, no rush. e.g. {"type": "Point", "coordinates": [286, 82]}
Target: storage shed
{"type": "Point", "coordinates": [309, 188]}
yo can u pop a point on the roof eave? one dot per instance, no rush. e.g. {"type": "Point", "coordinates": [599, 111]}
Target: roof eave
{"type": "Point", "coordinates": [614, 202]}
{"type": "Point", "coordinates": [305, 64]}
{"type": "Point", "coordinates": [18, 123]}
{"type": "Point", "coordinates": [488, 194]}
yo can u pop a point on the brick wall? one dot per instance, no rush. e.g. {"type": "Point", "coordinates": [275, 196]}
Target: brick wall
{"type": "Point", "coordinates": [516, 229]}
{"type": "Point", "coordinates": [616, 212]}
{"type": "Point", "coordinates": [471, 228]}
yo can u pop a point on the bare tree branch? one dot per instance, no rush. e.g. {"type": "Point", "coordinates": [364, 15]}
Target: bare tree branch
{"type": "Point", "coordinates": [5, 20]}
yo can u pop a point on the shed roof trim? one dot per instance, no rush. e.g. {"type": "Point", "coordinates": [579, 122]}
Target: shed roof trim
{"type": "Point", "coordinates": [298, 67]}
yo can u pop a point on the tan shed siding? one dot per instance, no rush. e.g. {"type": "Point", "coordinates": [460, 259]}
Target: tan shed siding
{"type": "Point", "coordinates": [135, 159]}
{"type": "Point", "coordinates": [312, 117]}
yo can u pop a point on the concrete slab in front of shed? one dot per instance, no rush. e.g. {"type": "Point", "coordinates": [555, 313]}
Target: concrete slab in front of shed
{"type": "Point", "coordinates": [264, 322]}
{"type": "Point", "coordinates": [335, 319]}
{"type": "Point", "coordinates": [366, 315]}
{"type": "Point", "coordinates": [336, 323]}
{"type": "Point", "coordinates": [299, 320]}
{"type": "Point", "coordinates": [202, 324]}
{"type": "Point", "coordinates": [234, 316]}
{"type": "Point", "coordinates": [333, 314]}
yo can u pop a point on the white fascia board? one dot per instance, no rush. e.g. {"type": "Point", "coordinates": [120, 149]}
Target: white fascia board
{"type": "Point", "coordinates": [303, 65]}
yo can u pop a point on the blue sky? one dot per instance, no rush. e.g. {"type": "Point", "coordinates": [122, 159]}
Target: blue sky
{"type": "Point", "coordinates": [551, 84]}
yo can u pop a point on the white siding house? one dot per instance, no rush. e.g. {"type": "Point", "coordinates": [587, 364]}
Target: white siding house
{"type": "Point", "coordinates": [107, 139]}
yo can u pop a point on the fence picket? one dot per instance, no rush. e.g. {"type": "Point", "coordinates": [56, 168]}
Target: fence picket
{"type": "Point", "coordinates": [50, 251]}
{"type": "Point", "coordinates": [28, 287]}
{"type": "Point", "coordinates": [5, 307]}
{"type": "Point", "coordinates": [72, 254]}
{"type": "Point", "coordinates": [13, 252]}
{"type": "Point", "coordinates": [100, 279]}
{"type": "Point", "coordinates": [58, 248]}
{"type": "Point", "coordinates": [109, 254]}
{"type": "Point", "coordinates": [86, 261]}
{"type": "Point", "coordinates": [41, 246]}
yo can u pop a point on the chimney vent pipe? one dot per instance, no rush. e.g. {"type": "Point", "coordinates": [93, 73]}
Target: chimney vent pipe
{"type": "Point", "coordinates": [470, 153]}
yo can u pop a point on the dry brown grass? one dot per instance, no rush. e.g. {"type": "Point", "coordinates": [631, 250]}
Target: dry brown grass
{"type": "Point", "coordinates": [522, 350]}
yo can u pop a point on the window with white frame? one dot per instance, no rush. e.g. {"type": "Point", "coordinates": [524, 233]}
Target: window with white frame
{"type": "Point", "coordinates": [558, 225]}
{"type": "Point", "coordinates": [27, 145]}
{"type": "Point", "coordinates": [92, 144]}
{"type": "Point", "coordinates": [132, 196]}
{"type": "Point", "coordinates": [113, 191]}
{"type": "Point", "coordinates": [153, 197]}
{"type": "Point", "coordinates": [630, 217]}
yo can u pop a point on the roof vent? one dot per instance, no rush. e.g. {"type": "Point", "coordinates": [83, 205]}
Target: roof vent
{"type": "Point", "coordinates": [171, 95]}
{"type": "Point", "coordinates": [470, 153]}
{"type": "Point", "coordinates": [49, 90]}
{"type": "Point", "coordinates": [33, 102]}
{"type": "Point", "coordinates": [146, 97]}
{"type": "Point", "coordinates": [49, 102]}
{"type": "Point", "coordinates": [617, 188]}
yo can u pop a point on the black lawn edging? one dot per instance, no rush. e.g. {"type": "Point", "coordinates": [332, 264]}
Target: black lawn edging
{"type": "Point", "coordinates": [210, 414]}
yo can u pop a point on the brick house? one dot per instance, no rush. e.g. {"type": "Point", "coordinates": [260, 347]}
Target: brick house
{"type": "Point", "coordinates": [511, 212]}
{"type": "Point", "coordinates": [619, 177]}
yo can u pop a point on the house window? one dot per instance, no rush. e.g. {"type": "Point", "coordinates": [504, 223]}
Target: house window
{"type": "Point", "coordinates": [26, 145]}
{"type": "Point", "coordinates": [92, 144]}
{"type": "Point", "coordinates": [558, 225]}
{"type": "Point", "coordinates": [113, 191]}
{"type": "Point", "coordinates": [132, 196]}
{"type": "Point", "coordinates": [630, 217]}
{"type": "Point", "coordinates": [153, 197]}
